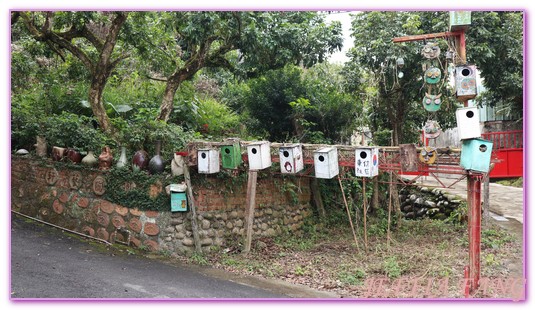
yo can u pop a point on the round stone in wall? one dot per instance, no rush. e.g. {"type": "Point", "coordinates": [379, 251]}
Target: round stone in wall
{"type": "Point", "coordinates": [75, 179]}
{"type": "Point", "coordinates": [99, 185]}
{"type": "Point", "coordinates": [51, 176]}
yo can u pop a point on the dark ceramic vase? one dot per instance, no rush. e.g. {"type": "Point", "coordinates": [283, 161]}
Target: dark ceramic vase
{"type": "Point", "coordinates": [73, 155]}
{"type": "Point", "coordinates": [140, 160]}
{"type": "Point", "coordinates": [156, 164]}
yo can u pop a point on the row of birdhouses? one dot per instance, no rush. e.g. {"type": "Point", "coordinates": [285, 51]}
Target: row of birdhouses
{"type": "Point", "coordinates": [290, 158]}
{"type": "Point", "coordinates": [475, 152]}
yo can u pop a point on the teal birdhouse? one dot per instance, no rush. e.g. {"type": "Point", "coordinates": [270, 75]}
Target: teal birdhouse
{"type": "Point", "coordinates": [231, 156]}
{"type": "Point", "coordinates": [476, 154]}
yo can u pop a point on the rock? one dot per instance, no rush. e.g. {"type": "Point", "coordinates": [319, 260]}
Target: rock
{"type": "Point", "coordinates": [410, 215]}
{"type": "Point", "coordinates": [208, 215]}
{"type": "Point", "coordinates": [238, 223]}
{"type": "Point", "coordinates": [421, 212]}
{"type": "Point", "coordinates": [205, 224]}
{"type": "Point", "coordinates": [270, 232]}
{"type": "Point", "coordinates": [407, 208]}
{"type": "Point", "coordinates": [230, 225]}
{"type": "Point", "coordinates": [432, 211]}
{"type": "Point", "coordinates": [446, 203]}
{"type": "Point", "coordinates": [260, 245]}
{"type": "Point", "coordinates": [419, 201]}
{"type": "Point", "coordinates": [412, 197]}
{"type": "Point", "coordinates": [206, 241]}
{"type": "Point", "coordinates": [187, 242]}
{"type": "Point", "coordinates": [456, 201]}
{"type": "Point", "coordinates": [424, 189]}
{"type": "Point", "coordinates": [430, 204]}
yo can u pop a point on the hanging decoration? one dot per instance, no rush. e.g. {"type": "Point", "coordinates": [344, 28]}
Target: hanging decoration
{"type": "Point", "coordinates": [432, 129]}
{"type": "Point", "coordinates": [428, 155]}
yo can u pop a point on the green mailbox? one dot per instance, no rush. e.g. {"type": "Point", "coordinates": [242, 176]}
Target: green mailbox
{"type": "Point", "coordinates": [476, 154]}
{"type": "Point", "coordinates": [179, 200]}
{"type": "Point", "coordinates": [231, 156]}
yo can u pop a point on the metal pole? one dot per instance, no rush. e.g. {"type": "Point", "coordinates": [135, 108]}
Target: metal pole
{"type": "Point", "coordinates": [474, 229]}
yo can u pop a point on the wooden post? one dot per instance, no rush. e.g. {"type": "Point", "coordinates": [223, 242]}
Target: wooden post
{"type": "Point", "coordinates": [191, 203]}
{"type": "Point", "coordinates": [316, 197]}
{"type": "Point", "coordinates": [364, 211]}
{"type": "Point", "coordinates": [474, 229]}
{"type": "Point", "coordinates": [486, 199]}
{"type": "Point", "coordinates": [250, 203]}
{"type": "Point", "coordinates": [375, 200]}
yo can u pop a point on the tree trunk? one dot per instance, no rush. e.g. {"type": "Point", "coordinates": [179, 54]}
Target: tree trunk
{"type": "Point", "coordinates": [95, 100]}
{"type": "Point", "coordinates": [167, 102]}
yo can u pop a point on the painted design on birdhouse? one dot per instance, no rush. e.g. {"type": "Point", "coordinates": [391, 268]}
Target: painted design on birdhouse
{"type": "Point", "coordinates": [432, 75]}
{"type": "Point", "coordinates": [366, 162]}
{"type": "Point", "coordinates": [431, 51]}
{"type": "Point", "coordinates": [432, 129]}
{"type": "Point", "coordinates": [428, 155]}
{"type": "Point", "coordinates": [432, 102]}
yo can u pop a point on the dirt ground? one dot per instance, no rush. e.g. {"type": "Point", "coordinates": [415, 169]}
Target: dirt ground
{"type": "Point", "coordinates": [422, 259]}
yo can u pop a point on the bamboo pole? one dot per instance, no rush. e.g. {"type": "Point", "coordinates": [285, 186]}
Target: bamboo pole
{"type": "Point", "coordinates": [348, 213]}
{"type": "Point", "coordinates": [389, 214]}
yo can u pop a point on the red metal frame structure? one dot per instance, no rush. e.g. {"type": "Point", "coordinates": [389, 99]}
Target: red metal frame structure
{"type": "Point", "coordinates": [447, 162]}
{"type": "Point", "coordinates": [508, 149]}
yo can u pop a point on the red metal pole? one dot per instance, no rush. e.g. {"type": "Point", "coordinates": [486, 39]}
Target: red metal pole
{"type": "Point", "coordinates": [474, 228]}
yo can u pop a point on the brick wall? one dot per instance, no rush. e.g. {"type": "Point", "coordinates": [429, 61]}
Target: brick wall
{"type": "Point", "coordinates": [72, 197]}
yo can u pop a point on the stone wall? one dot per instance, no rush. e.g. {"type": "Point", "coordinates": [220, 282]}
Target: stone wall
{"type": "Point", "coordinates": [72, 197]}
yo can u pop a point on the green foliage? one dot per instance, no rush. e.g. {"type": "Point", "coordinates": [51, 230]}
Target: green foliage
{"type": "Point", "coordinates": [459, 215]}
{"type": "Point", "coordinates": [217, 120]}
{"type": "Point", "coordinates": [495, 44]}
{"type": "Point", "coordinates": [75, 131]}
{"type": "Point", "coordinates": [199, 259]}
{"type": "Point", "coordinates": [353, 277]}
{"type": "Point", "coordinates": [518, 182]}
{"type": "Point", "coordinates": [138, 193]}
{"type": "Point", "coordinates": [391, 267]}
{"type": "Point", "coordinates": [495, 238]}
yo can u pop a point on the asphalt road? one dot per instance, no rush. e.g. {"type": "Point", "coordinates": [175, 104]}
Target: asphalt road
{"type": "Point", "coordinates": [48, 263]}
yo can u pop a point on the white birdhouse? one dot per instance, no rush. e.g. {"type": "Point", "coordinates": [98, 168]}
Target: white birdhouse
{"type": "Point", "coordinates": [468, 123]}
{"type": "Point", "coordinates": [291, 158]}
{"type": "Point", "coordinates": [366, 162]}
{"type": "Point", "coordinates": [259, 155]}
{"type": "Point", "coordinates": [208, 161]}
{"type": "Point", "coordinates": [326, 163]}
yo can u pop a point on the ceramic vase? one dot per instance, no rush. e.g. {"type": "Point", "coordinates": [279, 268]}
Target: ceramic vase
{"type": "Point", "coordinates": [90, 160]}
{"type": "Point", "coordinates": [140, 160]}
{"type": "Point", "coordinates": [156, 164]}
{"type": "Point", "coordinates": [105, 159]}
{"type": "Point", "coordinates": [122, 162]}
{"type": "Point", "coordinates": [73, 155]}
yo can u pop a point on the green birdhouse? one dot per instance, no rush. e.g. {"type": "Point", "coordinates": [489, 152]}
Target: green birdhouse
{"type": "Point", "coordinates": [231, 156]}
{"type": "Point", "coordinates": [460, 20]}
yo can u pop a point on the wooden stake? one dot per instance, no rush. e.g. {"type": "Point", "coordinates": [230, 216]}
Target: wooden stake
{"type": "Point", "coordinates": [389, 215]}
{"type": "Point", "coordinates": [249, 215]}
{"type": "Point", "coordinates": [365, 209]}
{"type": "Point", "coordinates": [316, 196]}
{"type": "Point", "coordinates": [486, 197]}
{"type": "Point", "coordinates": [191, 203]}
{"type": "Point", "coordinates": [348, 213]}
